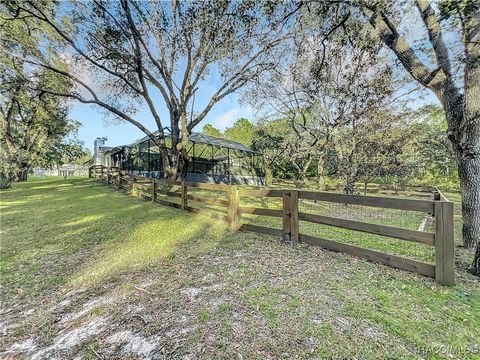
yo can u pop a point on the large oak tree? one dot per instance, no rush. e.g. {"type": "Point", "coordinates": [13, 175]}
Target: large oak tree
{"type": "Point", "coordinates": [458, 95]}
{"type": "Point", "coordinates": [155, 54]}
{"type": "Point", "coordinates": [33, 123]}
{"type": "Point", "coordinates": [335, 79]}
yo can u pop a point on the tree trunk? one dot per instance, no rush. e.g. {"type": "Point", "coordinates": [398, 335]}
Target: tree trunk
{"type": "Point", "coordinates": [302, 173]}
{"type": "Point", "coordinates": [21, 175]}
{"type": "Point", "coordinates": [5, 180]}
{"type": "Point", "coordinates": [4, 184]}
{"type": "Point", "coordinates": [463, 118]}
{"type": "Point", "coordinates": [349, 187]}
{"type": "Point", "coordinates": [170, 166]}
{"type": "Point", "coordinates": [464, 134]}
{"type": "Point", "coordinates": [184, 164]}
{"type": "Point", "coordinates": [351, 175]}
{"type": "Point", "coordinates": [462, 111]}
{"type": "Point", "coordinates": [365, 187]}
{"type": "Point", "coordinates": [475, 268]}
{"type": "Point", "coordinates": [469, 163]}
{"type": "Point", "coordinates": [300, 181]}
{"type": "Point", "coordinates": [182, 147]}
{"type": "Point", "coordinates": [321, 172]}
{"type": "Point", "coordinates": [469, 172]}
{"type": "Point", "coordinates": [176, 164]}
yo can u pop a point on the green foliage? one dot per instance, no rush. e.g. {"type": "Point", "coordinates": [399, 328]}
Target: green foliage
{"type": "Point", "coordinates": [64, 151]}
{"type": "Point", "coordinates": [373, 148]}
{"type": "Point", "coordinates": [242, 131]}
{"type": "Point", "coordinates": [212, 131]}
{"type": "Point", "coordinates": [432, 153]}
{"type": "Point", "coordinates": [32, 119]}
{"type": "Point", "coordinates": [407, 148]}
{"type": "Point", "coordinates": [272, 138]}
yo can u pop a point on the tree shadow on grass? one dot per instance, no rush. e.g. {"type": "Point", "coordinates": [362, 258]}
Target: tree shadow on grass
{"type": "Point", "coordinates": [151, 241]}
{"type": "Point", "coordinates": [84, 234]}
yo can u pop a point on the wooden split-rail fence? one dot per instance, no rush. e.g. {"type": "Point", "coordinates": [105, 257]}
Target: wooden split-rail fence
{"type": "Point", "coordinates": [442, 239]}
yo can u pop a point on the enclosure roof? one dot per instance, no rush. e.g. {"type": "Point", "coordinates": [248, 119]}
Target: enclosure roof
{"type": "Point", "coordinates": [113, 150]}
{"type": "Point", "coordinates": [199, 138]}
{"type": "Point", "coordinates": [105, 148]}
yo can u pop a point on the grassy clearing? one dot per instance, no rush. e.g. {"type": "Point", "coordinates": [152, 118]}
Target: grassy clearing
{"type": "Point", "coordinates": [87, 270]}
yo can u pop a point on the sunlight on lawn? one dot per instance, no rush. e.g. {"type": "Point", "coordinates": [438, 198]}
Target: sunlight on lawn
{"type": "Point", "coordinates": [90, 232]}
{"type": "Point", "coordinates": [84, 220]}
{"type": "Point", "coordinates": [152, 241]}
{"type": "Point", "coordinates": [48, 186]}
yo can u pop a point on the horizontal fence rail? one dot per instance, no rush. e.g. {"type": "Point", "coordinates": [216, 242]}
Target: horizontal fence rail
{"type": "Point", "coordinates": [377, 229]}
{"type": "Point", "coordinates": [372, 255]}
{"type": "Point", "coordinates": [188, 196]}
{"type": "Point", "coordinates": [260, 211]}
{"type": "Point", "coordinates": [374, 201]}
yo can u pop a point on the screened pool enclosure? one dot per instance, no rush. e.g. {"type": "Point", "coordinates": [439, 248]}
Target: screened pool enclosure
{"type": "Point", "coordinates": [212, 160]}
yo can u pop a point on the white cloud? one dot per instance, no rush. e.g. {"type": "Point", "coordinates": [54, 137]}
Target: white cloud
{"type": "Point", "coordinates": [85, 72]}
{"type": "Point", "coordinates": [226, 118]}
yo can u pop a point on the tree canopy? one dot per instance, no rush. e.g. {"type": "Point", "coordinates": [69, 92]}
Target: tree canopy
{"type": "Point", "coordinates": [33, 121]}
{"type": "Point", "coordinates": [139, 50]}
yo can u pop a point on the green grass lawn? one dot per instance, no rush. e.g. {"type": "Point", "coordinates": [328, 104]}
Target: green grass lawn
{"type": "Point", "coordinates": [87, 270]}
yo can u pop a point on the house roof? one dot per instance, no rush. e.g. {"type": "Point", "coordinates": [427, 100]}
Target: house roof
{"type": "Point", "coordinates": [88, 162]}
{"type": "Point", "coordinates": [105, 148]}
{"type": "Point", "coordinates": [112, 150]}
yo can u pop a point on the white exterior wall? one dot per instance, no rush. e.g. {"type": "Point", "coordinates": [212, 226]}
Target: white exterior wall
{"type": "Point", "coordinates": [63, 170]}
{"type": "Point", "coordinates": [97, 154]}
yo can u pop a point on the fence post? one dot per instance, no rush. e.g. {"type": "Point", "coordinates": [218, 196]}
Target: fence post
{"type": "Point", "coordinates": [287, 223]}
{"type": "Point", "coordinates": [108, 176]}
{"type": "Point", "coordinates": [232, 210]}
{"type": "Point", "coordinates": [154, 183]}
{"type": "Point", "coordinates": [134, 191]}
{"type": "Point", "coordinates": [444, 245]}
{"type": "Point", "coordinates": [119, 180]}
{"type": "Point", "coordinates": [294, 224]}
{"type": "Point", "coordinates": [184, 191]}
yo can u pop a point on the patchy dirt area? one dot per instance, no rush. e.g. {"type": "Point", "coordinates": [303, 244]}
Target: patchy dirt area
{"type": "Point", "coordinates": [256, 299]}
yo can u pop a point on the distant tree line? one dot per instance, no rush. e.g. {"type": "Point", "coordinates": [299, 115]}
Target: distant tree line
{"type": "Point", "coordinates": [402, 151]}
